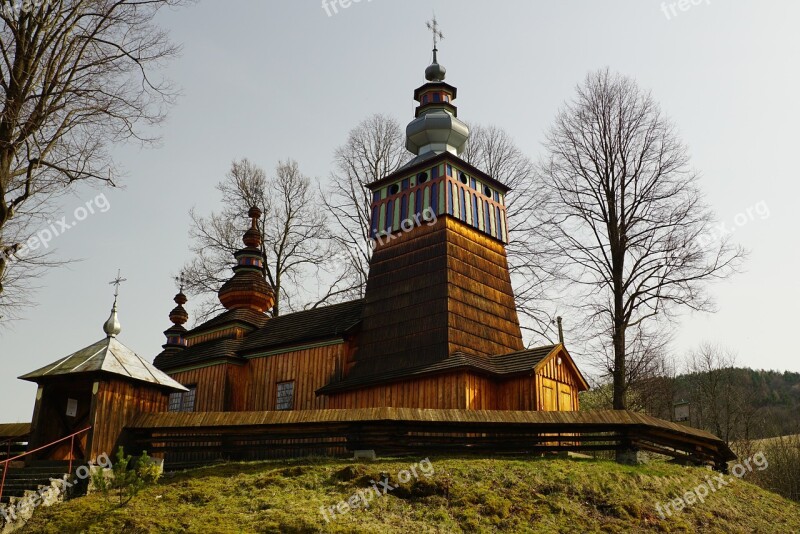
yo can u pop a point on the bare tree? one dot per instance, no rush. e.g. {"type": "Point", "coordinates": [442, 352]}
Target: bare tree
{"type": "Point", "coordinates": [652, 379]}
{"type": "Point", "coordinates": [296, 244]}
{"type": "Point", "coordinates": [719, 401]}
{"type": "Point", "coordinates": [374, 149]}
{"type": "Point", "coordinates": [492, 150]}
{"type": "Point", "coordinates": [77, 77]}
{"type": "Point", "coordinates": [629, 222]}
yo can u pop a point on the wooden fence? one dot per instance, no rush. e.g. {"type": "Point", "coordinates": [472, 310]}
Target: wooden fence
{"type": "Point", "coordinates": [201, 437]}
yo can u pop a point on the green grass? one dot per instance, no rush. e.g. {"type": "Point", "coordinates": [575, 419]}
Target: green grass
{"type": "Point", "coordinates": [462, 495]}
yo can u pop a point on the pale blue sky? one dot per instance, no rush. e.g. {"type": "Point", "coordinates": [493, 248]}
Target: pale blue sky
{"type": "Point", "coordinates": [274, 80]}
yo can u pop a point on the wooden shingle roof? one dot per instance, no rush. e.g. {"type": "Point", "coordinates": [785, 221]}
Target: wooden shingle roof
{"type": "Point", "coordinates": [217, 349]}
{"type": "Point", "coordinates": [317, 324]}
{"type": "Point", "coordinates": [14, 430]}
{"type": "Point", "coordinates": [107, 356]}
{"type": "Point", "coordinates": [304, 326]}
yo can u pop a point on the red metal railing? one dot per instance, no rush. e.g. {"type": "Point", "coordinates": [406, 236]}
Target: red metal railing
{"type": "Point", "coordinates": [7, 461]}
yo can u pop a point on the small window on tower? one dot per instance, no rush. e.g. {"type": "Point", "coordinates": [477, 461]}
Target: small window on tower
{"type": "Point", "coordinates": [422, 177]}
{"type": "Point", "coordinates": [394, 189]}
{"type": "Point", "coordinates": [437, 97]}
{"type": "Point", "coordinates": [285, 396]}
{"type": "Point", "coordinates": [487, 191]}
{"type": "Point", "coordinates": [463, 178]}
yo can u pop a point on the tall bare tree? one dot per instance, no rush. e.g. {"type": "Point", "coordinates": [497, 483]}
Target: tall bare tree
{"type": "Point", "coordinates": [296, 244]}
{"type": "Point", "coordinates": [629, 222]}
{"type": "Point", "coordinates": [77, 77]}
{"type": "Point", "coordinates": [493, 150]}
{"type": "Point", "coordinates": [374, 149]}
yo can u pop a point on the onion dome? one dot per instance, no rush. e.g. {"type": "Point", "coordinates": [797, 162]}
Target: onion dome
{"type": "Point", "coordinates": [248, 287]}
{"type": "Point", "coordinates": [176, 334]}
{"type": "Point", "coordinates": [112, 327]}
{"type": "Point", "coordinates": [435, 72]}
{"type": "Point", "coordinates": [436, 127]}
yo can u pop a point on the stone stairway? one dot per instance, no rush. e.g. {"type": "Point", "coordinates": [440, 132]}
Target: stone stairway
{"type": "Point", "coordinates": [31, 477]}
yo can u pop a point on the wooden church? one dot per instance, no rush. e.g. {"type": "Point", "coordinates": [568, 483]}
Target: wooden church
{"type": "Point", "coordinates": [437, 327]}
{"type": "Point", "coordinates": [432, 352]}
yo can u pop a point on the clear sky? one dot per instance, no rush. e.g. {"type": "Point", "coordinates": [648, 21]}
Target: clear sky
{"type": "Point", "coordinates": [272, 80]}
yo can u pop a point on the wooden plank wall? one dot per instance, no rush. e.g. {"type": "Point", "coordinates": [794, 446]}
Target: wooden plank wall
{"type": "Point", "coordinates": [115, 405]}
{"type": "Point", "coordinates": [483, 316]}
{"type": "Point", "coordinates": [310, 369]}
{"type": "Point", "coordinates": [433, 291]}
{"type": "Point", "coordinates": [212, 385]}
{"type": "Point", "coordinates": [405, 314]}
{"type": "Point", "coordinates": [565, 382]}
{"type": "Point", "coordinates": [442, 391]}
{"type": "Point", "coordinates": [517, 394]}
{"type": "Point", "coordinates": [481, 393]}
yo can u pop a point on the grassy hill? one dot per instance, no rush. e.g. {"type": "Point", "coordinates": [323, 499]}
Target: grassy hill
{"type": "Point", "coordinates": [446, 495]}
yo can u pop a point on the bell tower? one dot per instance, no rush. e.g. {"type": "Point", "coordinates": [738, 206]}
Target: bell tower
{"type": "Point", "coordinates": [438, 281]}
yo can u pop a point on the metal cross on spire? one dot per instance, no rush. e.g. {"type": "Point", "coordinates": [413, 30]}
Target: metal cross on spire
{"type": "Point", "coordinates": [433, 26]}
{"type": "Point", "coordinates": [180, 280]}
{"type": "Point", "coordinates": [116, 283]}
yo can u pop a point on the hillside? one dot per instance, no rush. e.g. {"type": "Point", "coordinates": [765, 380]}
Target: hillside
{"type": "Point", "coordinates": [447, 495]}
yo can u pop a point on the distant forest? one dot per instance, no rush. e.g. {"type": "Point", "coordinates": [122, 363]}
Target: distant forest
{"type": "Point", "coordinates": [733, 403]}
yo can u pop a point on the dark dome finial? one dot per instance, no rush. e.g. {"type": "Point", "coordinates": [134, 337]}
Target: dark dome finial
{"type": "Point", "coordinates": [176, 334]}
{"type": "Point", "coordinates": [248, 287]}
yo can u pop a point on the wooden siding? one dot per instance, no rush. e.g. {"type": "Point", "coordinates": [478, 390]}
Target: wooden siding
{"type": "Point", "coordinates": [115, 404]}
{"type": "Point", "coordinates": [442, 391]}
{"type": "Point", "coordinates": [214, 386]}
{"type": "Point", "coordinates": [557, 385]}
{"type": "Point", "coordinates": [483, 317]}
{"type": "Point", "coordinates": [309, 368]}
{"type": "Point", "coordinates": [517, 394]}
{"type": "Point", "coordinates": [50, 422]}
{"type": "Point", "coordinates": [480, 392]}
{"type": "Point", "coordinates": [435, 290]}
{"type": "Point", "coordinates": [405, 311]}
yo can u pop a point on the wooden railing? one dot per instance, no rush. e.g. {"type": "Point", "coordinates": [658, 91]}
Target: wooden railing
{"type": "Point", "coordinates": [391, 431]}
{"type": "Point", "coordinates": [7, 461]}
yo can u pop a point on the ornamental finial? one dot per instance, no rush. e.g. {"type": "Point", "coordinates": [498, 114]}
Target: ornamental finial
{"type": "Point", "coordinates": [112, 326]}
{"type": "Point", "coordinates": [433, 26]}
{"type": "Point", "coordinates": [435, 72]}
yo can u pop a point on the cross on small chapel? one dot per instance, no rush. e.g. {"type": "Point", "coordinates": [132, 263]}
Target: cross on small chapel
{"type": "Point", "coordinates": [116, 283]}
{"type": "Point", "coordinates": [433, 26]}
